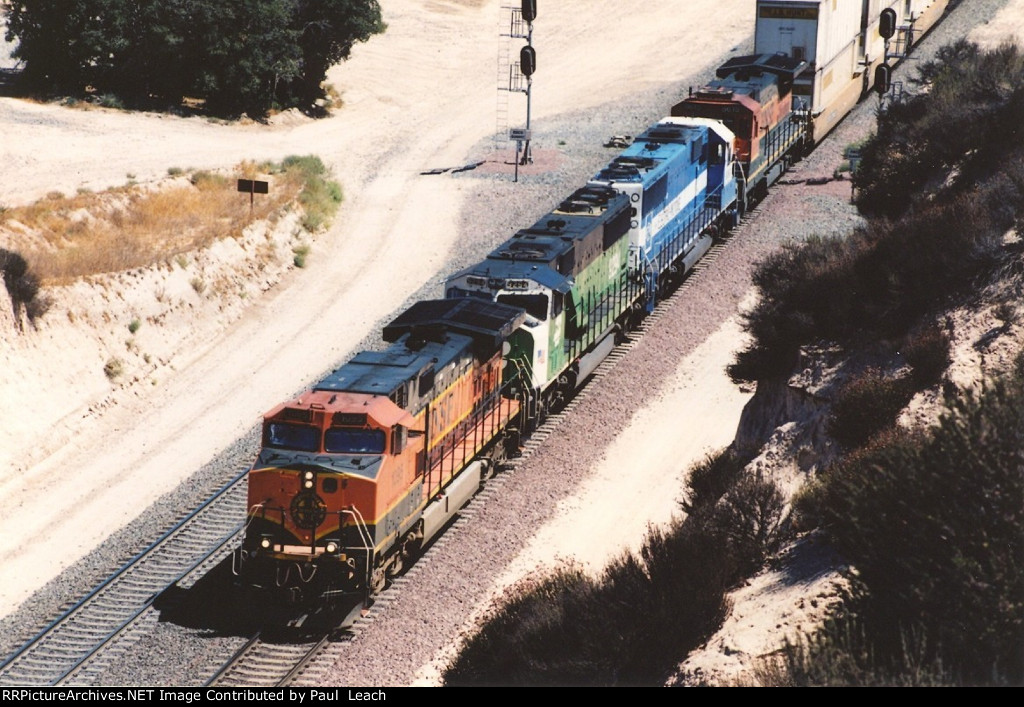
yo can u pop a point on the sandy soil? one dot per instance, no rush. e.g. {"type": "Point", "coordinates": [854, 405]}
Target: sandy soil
{"type": "Point", "coordinates": [420, 96]}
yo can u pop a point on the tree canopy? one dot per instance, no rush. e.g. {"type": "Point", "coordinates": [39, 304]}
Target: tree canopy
{"type": "Point", "coordinates": [239, 56]}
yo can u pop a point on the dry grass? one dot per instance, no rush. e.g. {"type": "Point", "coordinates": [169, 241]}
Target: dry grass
{"type": "Point", "coordinates": [64, 238]}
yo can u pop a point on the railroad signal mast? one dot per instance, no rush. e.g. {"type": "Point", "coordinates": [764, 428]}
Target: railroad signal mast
{"type": "Point", "coordinates": [888, 28]}
{"type": "Point", "coordinates": [520, 74]}
{"type": "Point", "coordinates": [883, 72]}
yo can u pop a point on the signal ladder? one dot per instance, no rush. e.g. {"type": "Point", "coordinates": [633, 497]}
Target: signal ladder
{"type": "Point", "coordinates": [511, 25]}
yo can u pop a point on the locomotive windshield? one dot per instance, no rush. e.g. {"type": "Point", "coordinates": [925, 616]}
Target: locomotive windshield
{"type": "Point", "coordinates": [535, 305]}
{"type": "Point", "coordinates": [455, 292]}
{"type": "Point", "coordinates": [299, 438]}
{"type": "Point", "coordinates": [346, 440]}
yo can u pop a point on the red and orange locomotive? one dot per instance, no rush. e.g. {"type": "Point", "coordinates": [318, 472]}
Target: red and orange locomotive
{"type": "Point", "coordinates": [355, 475]}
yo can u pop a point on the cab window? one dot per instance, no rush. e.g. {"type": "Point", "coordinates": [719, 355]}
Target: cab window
{"type": "Point", "coordinates": [299, 438]}
{"type": "Point", "coordinates": [535, 305]}
{"type": "Point", "coordinates": [347, 440]}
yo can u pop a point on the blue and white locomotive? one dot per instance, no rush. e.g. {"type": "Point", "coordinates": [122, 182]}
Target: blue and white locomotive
{"type": "Point", "coordinates": [680, 181]}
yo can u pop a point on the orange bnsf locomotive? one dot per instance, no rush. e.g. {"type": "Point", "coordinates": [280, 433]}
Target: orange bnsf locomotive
{"type": "Point", "coordinates": [357, 474]}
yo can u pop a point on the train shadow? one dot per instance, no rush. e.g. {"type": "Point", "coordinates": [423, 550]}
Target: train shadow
{"type": "Point", "coordinates": [217, 606]}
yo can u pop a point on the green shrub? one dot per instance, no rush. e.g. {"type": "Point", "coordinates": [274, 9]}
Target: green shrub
{"type": "Point", "coordinates": [319, 196]}
{"type": "Point", "coordinates": [209, 180]}
{"type": "Point", "coordinates": [133, 325]}
{"type": "Point", "coordinates": [309, 165]}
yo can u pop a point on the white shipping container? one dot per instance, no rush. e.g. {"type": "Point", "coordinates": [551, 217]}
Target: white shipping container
{"type": "Point", "coordinates": [827, 34]}
{"type": "Point", "coordinates": [817, 31]}
{"type": "Point", "coordinates": [840, 41]}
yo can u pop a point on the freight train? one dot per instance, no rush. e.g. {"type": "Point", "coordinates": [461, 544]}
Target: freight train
{"type": "Point", "coordinates": [356, 475]}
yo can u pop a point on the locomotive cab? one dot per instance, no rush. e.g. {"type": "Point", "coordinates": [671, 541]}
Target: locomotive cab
{"type": "Point", "coordinates": [331, 484]}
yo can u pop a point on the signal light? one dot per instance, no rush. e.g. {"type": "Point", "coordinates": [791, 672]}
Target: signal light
{"type": "Point", "coordinates": [887, 23]}
{"type": "Point", "coordinates": [883, 79]}
{"type": "Point", "coordinates": [527, 60]}
{"type": "Point", "coordinates": [529, 10]}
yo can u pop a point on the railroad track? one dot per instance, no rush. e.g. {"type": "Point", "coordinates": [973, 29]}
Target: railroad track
{"type": "Point", "coordinates": [260, 663]}
{"type": "Point", "coordinates": [95, 631]}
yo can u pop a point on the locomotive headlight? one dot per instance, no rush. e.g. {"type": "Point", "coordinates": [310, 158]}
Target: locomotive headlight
{"type": "Point", "coordinates": [308, 476]}
{"type": "Point", "coordinates": [332, 547]}
{"type": "Point", "coordinates": [265, 542]}
{"type": "Point", "coordinates": [308, 483]}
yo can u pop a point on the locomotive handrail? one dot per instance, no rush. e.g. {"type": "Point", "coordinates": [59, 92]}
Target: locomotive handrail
{"type": "Point", "coordinates": [250, 515]}
{"type": "Point", "coordinates": [364, 535]}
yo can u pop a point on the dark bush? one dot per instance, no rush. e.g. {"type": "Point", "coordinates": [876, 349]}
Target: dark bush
{"type": "Point", "coordinates": [247, 56]}
{"type": "Point", "coordinates": [37, 307]}
{"type": "Point", "coordinates": [927, 352]}
{"type": "Point", "coordinates": [842, 654]}
{"type": "Point", "coordinates": [22, 285]}
{"type": "Point", "coordinates": [710, 478]}
{"type": "Point", "coordinates": [867, 405]}
{"type": "Point", "coordinates": [935, 527]}
{"type": "Point", "coordinates": [945, 195]}
{"type": "Point", "coordinates": [633, 624]}
{"type": "Point", "coordinates": [525, 641]}
{"type": "Point", "coordinates": [945, 132]}
{"type": "Point", "coordinates": [627, 628]}
{"type": "Point", "coordinates": [751, 518]}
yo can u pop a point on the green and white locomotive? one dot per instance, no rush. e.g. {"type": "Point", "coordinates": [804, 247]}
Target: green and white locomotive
{"type": "Point", "coordinates": [570, 273]}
